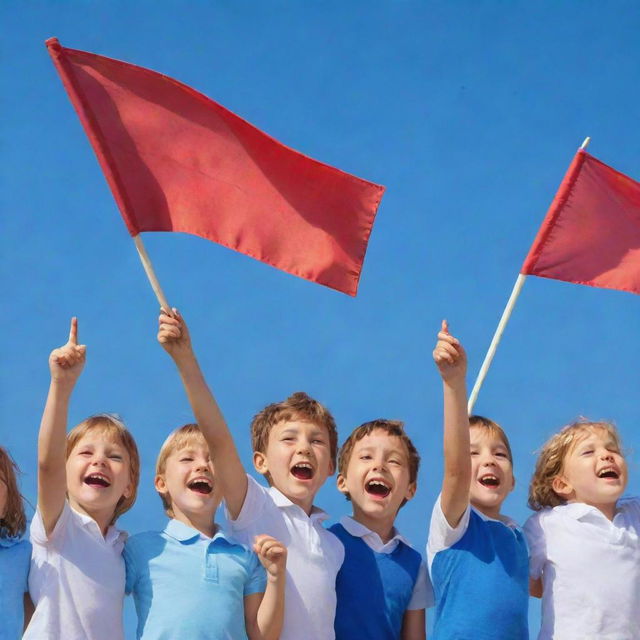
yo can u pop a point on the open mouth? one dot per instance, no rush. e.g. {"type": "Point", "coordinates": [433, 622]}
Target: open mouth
{"type": "Point", "coordinates": [302, 471]}
{"type": "Point", "coordinates": [377, 488]}
{"type": "Point", "coordinates": [200, 485]}
{"type": "Point", "coordinates": [490, 481]}
{"type": "Point", "coordinates": [608, 473]}
{"type": "Point", "coordinates": [97, 480]}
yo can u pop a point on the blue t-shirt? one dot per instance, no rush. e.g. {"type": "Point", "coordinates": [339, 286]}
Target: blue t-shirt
{"type": "Point", "coordinates": [481, 582]}
{"type": "Point", "coordinates": [188, 586]}
{"type": "Point", "coordinates": [15, 555]}
{"type": "Point", "coordinates": [373, 589]}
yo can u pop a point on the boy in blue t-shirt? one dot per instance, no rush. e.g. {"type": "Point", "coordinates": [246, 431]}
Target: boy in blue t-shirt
{"type": "Point", "coordinates": [191, 580]}
{"type": "Point", "coordinates": [477, 557]}
{"type": "Point", "coordinates": [382, 588]}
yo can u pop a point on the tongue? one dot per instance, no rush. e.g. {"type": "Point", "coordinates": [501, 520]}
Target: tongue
{"type": "Point", "coordinates": [302, 473]}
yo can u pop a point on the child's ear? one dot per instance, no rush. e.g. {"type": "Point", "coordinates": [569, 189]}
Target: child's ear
{"type": "Point", "coordinates": [560, 485]}
{"type": "Point", "coordinates": [411, 491]}
{"type": "Point", "coordinates": [341, 483]}
{"type": "Point", "coordinates": [128, 491]}
{"type": "Point", "coordinates": [160, 484]}
{"type": "Point", "coordinates": [260, 462]}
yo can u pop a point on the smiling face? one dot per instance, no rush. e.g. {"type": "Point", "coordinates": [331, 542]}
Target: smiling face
{"type": "Point", "coordinates": [377, 478]}
{"type": "Point", "coordinates": [297, 460]}
{"type": "Point", "coordinates": [98, 475]}
{"type": "Point", "coordinates": [593, 471]}
{"type": "Point", "coordinates": [491, 471]}
{"type": "Point", "coordinates": [188, 486]}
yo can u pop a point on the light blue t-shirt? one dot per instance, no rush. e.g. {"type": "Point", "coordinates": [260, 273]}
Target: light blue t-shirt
{"type": "Point", "coordinates": [188, 586]}
{"type": "Point", "coordinates": [15, 555]}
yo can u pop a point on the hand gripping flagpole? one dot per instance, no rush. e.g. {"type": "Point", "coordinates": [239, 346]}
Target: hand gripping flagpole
{"type": "Point", "coordinates": [506, 314]}
{"type": "Point", "coordinates": [148, 268]}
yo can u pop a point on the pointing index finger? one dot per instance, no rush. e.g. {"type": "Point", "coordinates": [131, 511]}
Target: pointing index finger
{"type": "Point", "coordinates": [73, 331]}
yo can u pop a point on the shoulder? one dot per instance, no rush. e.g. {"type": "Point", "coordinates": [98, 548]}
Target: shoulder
{"type": "Point", "coordinates": [256, 500]}
{"type": "Point", "coordinates": [630, 506]}
{"type": "Point", "coordinates": [441, 534]}
{"type": "Point", "coordinates": [140, 543]}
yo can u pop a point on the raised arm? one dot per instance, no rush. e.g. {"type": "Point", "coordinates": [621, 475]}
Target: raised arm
{"type": "Point", "coordinates": [451, 361]}
{"type": "Point", "coordinates": [65, 365]}
{"type": "Point", "coordinates": [264, 615]}
{"type": "Point", "coordinates": [173, 335]}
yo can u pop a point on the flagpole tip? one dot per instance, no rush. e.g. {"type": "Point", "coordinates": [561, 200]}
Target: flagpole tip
{"type": "Point", "coordinates": [584, 145]}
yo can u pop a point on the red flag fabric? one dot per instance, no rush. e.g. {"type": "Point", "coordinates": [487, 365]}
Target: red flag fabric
{"type": "Point", "coordinates": [591, 234]}
{"type": "Point", "coordinates": [177, 161]}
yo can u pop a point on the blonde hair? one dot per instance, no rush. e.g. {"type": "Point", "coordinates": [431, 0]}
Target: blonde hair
{"type": "Point", "coordinates": [177, 439]}
{"type": "Point", "coordinates": [14, 521]}
{"type": "Point", "coordinates": [298, 406]}
{"type": "Point", "coordinates": [551, 460]}
{"type": "Point", "coordinates": [494, 429]}
{"type": "Point", "coordinates": [113, 428]}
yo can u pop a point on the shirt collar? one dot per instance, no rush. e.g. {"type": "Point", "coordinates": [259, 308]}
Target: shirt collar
{"type": "Point", "coordinates": [9, 541]}
{"type": "Point", "coordinates": [281, 501]}
{"type": "Point", "coordinates": [184, 533]}
{"type": "Point", "coordinates": [359, 530]}
{"type": "Point", "coordinates": [113, 534]}
{"type": "Point", "coordinates": [582, 511]}
{"type": "Point", "coordinates": [506, 520]}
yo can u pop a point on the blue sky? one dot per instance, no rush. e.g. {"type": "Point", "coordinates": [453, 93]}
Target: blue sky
{"type": "Point", "coordinates": [468, 112]}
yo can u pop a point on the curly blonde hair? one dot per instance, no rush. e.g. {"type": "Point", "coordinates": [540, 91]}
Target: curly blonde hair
{"type": "Point", "coordinates": [552, 456]}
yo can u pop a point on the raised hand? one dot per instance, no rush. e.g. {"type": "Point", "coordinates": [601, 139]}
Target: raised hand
{"type": "Point", "coordinates": [272, 555]}
{"type": "Point", "coordinates": [66, 362]}
{"type": "Point", "coordinates": [449, 355]}
{"type": "Point", "coordinates": [173, 334]}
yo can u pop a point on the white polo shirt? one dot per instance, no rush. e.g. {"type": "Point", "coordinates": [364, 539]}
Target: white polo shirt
{"type": "Point", "coordinates": [76, 580]}
{"type": "Point", "coordinates": [314, 556]}
{"type": "Point", "coordinates": [590, 569]}
{"type": "Point", "coordinates": [422, 596]}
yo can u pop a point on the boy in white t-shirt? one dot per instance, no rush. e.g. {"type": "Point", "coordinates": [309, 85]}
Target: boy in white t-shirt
{"type": "Point", "coordinates": [295, 447]}
{"type": "Point", "coordinates": [584, 541]}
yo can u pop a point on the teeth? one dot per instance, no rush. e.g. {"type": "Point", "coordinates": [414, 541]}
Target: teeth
{"type": "Point", "coordinates": [306, 465]}
{"type": "Point", "coordinates": [377, 483]}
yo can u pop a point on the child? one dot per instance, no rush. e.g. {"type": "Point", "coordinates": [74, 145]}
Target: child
{"type": "Point", "coordinates": [477, 557]}
{"type": "Point", "coordinates": [85, 481]}
{"type": "Point", "coordinates": [382, 587]}
{"type": "Point", "coordinates": [585, 541]}
{"type": "Point", "coordinates": [294, 444]}
{"type": "Point", "coordinates": [190, 580]}
{"type": "Point", "coordinates": [15, 554]}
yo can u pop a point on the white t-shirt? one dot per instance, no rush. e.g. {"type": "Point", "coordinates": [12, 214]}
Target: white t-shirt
{"type": "Point", "coordinates": [314, 556]}
{"type": "Point", "coordinates": [590, 569]}
{"type": "Point", "coordinates": [76, 580]}
{"type": "Point", "coordinates": [422, 596]}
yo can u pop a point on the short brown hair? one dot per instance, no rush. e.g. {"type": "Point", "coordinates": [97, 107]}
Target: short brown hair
{"type": "Point", "coordinates": [177, 439]}
{"type": "Point", "coordinates": [551, 460]}
{"type": "Point", "coordinates": [298, 406]}
{"type": "Point", "coordinates": [13, 522]}
{"type": "Point", "coordinates": [494, 429]}
{"type": "Point", "coordinates": [392, 428]}
{"type": "Point", "coordinates": [114, 428]}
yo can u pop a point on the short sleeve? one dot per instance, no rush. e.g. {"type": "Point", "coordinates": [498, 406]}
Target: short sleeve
{"type": "Point", "coordinates": [37, 533]}
{"type": "Point", "coordinates": [536, 542]}
{"type": "Point", "coordinates": [129, 556]}
{"type": "Point", "coordinates": [252, 506]}
{"type": "Point", "coordinates": [441, 534]}
{"type": "Point", "coordinates": [257, 577]}
{"type": "Point", "coordinates": [422, 596]}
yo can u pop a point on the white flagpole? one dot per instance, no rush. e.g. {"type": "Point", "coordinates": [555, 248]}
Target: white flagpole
{"type": "Point", "coordinates": [506, 314]}
{"type": "Point", "coordinates": [148, 268]}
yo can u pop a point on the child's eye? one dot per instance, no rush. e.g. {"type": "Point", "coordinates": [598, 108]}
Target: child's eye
{"type": "Point", "coordinates": [587, 452]}
{"type": "Point", "coordinates": [474, 453]}
{"type": "Point", "coordinates": [501, 454]}
{"type": "Point", "coordinates": [365, 456]}
{"type": "Point", "coordinates": [186, 459]}
{"type": "Point", "coordinates": [115, 456]}
{"type": "Point", "coordinates": [317, 441]}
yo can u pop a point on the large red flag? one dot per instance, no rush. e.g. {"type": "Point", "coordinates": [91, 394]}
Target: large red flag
{"type": "Point", "coordinates": [591, 234]}
{"type": "Point", "coordinates": [177, 161]}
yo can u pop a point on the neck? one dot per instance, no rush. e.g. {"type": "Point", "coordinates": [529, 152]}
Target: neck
{"type": "Point", "coordinates": [383, 526]}
{"type": "Point", "coordinates": [202, 522]}
{"type": "Point", "coordinates": [102, 517]}
{"type": "Point", "coordinates": [490, 512]}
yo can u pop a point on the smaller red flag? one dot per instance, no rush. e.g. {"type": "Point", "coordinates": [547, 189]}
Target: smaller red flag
{"type": "Point", "coordinates": [591, 234]}
{"type": "Point", "coordinates": [177, 161]}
